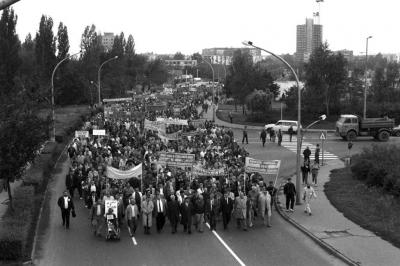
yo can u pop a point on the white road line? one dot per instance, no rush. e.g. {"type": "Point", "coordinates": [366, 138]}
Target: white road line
{"type": "Point", "coordinates": [134, 241]}
{"type": "Point", "coordinates": [227, 247]}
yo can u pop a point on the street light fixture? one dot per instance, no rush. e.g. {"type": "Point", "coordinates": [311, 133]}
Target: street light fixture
{"type": "Point", "coordinates": [53, 116]}
{"type": "Point", "coordinates": [249, 43]}
{"type": "Point", "coordinates": [365, 78]}
{"type": "Point", "coordinates": [213, 90]}
{"type": "Point", "coordinates": [99, 73]}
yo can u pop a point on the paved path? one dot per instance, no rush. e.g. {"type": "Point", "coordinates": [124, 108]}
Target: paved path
{"type": "Point", "coordinates": [292, 146]}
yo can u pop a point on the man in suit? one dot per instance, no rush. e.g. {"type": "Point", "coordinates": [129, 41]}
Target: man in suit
{"type": "Point", "coordinates": [212, 211]}
{"type": "Point", "coordinates": [66, 205]}
{"type": "Point", "coordinates": [97, 217]}
{"type": "Point", "coordinates": [186, 212]}
{"type": "Point", "coordinates": [160, 211]}
{"type": "Point", "coordinates": [91, 200]}
{"type": "Point", "coordinates": [173, 213]}
{"type": "Point", "coordinates": [226, 209]}
{"type": "Point", "coordinates": [137, 196]}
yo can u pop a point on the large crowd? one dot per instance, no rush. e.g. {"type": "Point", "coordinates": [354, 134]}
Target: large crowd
{"type": "Point", "coordinates": [224, 190]}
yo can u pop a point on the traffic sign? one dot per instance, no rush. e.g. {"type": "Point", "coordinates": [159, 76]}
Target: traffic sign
{"type": "Point", "coordinates": [323, 136]}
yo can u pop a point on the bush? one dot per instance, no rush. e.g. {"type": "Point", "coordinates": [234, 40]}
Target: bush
{"type": "Point", "coordinates": [14, 227]}
{"type": "Point", "coordinates": [379, 166]}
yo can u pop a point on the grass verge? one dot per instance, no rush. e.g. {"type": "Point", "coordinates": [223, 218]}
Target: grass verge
{"type": "Point", "coordinates": [369, 207]}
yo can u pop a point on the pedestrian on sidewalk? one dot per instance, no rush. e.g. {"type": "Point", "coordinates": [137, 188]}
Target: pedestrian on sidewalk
{"type": "Point", "coordinates": [69, 182]}
{"type": "Point", "coordinates": [279, 137]}
{"type": "Point", "coordinates": [290, 131]}
{"type": "Point", "coordinates": [66, 206]}
{"type": "Point", "coordinates": [314, 172]}
{"type": "Point", "coordinates": [132, 213]}
{"type": "Point", "coordinates": [272, 135]}
{"type": "Point", "coordinates": [263, 136]}
{"type": "Point", "coordinates": [245, 135]}
{"type": "Point", "coordinates": [289, 190]}
{"type": "Point", "coordinates": [305, 171]}
{"type": "Point", "coordinates": [308, 195]}
{"type": "Point", "coordinates": [307, 153]}
{"type": "Point", "coordinates": [316, 154]}
{"type": "Point", "coordinates": [231, 117]}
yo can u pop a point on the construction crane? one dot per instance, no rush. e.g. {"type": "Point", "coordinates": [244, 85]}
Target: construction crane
{"type": "Point", "coordinates": [6, 3]}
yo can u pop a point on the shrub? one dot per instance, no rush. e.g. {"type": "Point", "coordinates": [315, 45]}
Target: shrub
{"type": "Point", "coordinates": [15, 225]}
{"type": "Point", "coordinates": [379, 166]}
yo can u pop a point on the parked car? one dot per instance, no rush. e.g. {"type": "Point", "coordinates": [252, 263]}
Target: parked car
{"type": "Point", "coordinates": [396, 131]}
{"type": "Point", "coordinates": [283, 125]}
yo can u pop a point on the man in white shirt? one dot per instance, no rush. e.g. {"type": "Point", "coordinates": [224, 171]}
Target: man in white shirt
{"type": "Point", "coordinates": [66, 205]}
{"type": "Point", "coordinates": [160, 209]}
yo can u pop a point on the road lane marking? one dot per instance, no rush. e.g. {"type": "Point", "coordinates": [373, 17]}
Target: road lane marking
{"type": "Point", "coordinates": [227, 247]}
{"type": "Point", "coordinates": [134, 241]}
{"type": "Point", "coordinates": [292, 146]}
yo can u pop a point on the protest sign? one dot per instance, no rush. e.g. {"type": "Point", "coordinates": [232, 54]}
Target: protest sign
{"type": "Point", "coordinates": [99, 132]}
{"type": "Point", "coordinates": [198, 122]}
{"type": "Point", "coordinates": [115, 173]}
{"type": "Point", "coordinates": [263, 167]}
{"type": "Point", "coordinates": [172, 121]}
{"type": "Point", "coordinates": [154, 125]}
{"type": "Point", "coordinates": [113, 204]}
{"type": "Point", "coordinates": [81, 134]}
{"type": "Point", "coordinates": [176, 159]}
{"type": "Point", "coordinates": [200, 171]}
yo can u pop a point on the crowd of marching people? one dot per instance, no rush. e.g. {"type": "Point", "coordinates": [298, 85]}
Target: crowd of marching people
{"type": "Point", "coordinates": [163, 192]}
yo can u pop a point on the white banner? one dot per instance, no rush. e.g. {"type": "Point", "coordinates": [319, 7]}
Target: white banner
{"type": "Point", "coordinates": [113, 204]}
{"type": "Point", "coordinates": [173, 121]}
{"type": "Point", "coordinates": [99, 132]}
{"type": "Point", "coordinates": [124, 174]}
{"type": "Point", "coordinates": [82, 134]}
{"type": "Point", "coordinates": [263, 167]}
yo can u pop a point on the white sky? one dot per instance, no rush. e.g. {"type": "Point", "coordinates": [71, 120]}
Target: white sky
{"type": "Point", "coordinates": [168, 26]}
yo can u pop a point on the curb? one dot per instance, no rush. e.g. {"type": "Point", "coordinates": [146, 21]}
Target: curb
{"type": "Point", "coordinates": [327, 247]}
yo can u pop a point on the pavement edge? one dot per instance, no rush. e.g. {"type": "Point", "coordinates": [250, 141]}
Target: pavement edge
{"type": "Point", "coordinates": [330, 249]}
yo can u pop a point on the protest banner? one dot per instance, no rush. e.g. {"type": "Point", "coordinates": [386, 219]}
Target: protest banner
{"type": "Point", "coordinates": [263, 167]}
{"type": "Point", "coordinates": [115, 173]}
{"type": "Point", "coordinates": [99, 132]}
{"type": "Point", "coordinates": [81, 134]}
{"type": "Point", "coordinates": [200, 171]}
{"type": "Point", "coordinates": [154, 125]}
{"type": "Point", "coordinates": [182, 122]}
{"type": "Point", "coordinates": [176, 159]}
{"type": "Point", "coordinates": [117, 100]}
{"type": "Point", "coordinates": [198, 122]}
{"type": "Point", "coordinates": [113, 204]}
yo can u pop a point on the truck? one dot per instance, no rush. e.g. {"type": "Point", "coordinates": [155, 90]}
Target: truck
{"type": "Point", "coordinates": [349, 127]}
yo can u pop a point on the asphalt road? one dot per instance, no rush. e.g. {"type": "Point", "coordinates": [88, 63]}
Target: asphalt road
{"type": "Point", "coordinates": [280, 245]}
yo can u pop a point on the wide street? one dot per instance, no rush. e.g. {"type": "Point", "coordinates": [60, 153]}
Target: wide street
{"type": "Point", "coordinates": [280, 245]}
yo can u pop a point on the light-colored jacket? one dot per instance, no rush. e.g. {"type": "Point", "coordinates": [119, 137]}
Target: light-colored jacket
{"type": "Point", "coordinates": [264, 204]}
{"type": "Point", "coordinates": [309, 194]}
{"type": "Point", "coordinates": [132, 211]}
{"type": "Point", "coordinates": [240, 207]}
{"type": "Point", "coordinates": [147, 210]}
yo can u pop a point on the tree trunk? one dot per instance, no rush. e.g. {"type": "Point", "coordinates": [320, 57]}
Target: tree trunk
{"type": "Point", "coordinates": [10, 195]}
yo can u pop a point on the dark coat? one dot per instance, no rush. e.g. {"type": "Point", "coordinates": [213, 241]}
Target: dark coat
{"type": "Point", "coordinates": [68, 181]}
{"type": "Point", "coordinates": [60, 203]}
{"type": "Point", "coordinates": [173, 211]}
{"type": "Point", "coordinates": [289, 189]}
{"type": "Point", "coordinates": [186, 212]}
{"type": "Point", "coordinates": [226, 207]}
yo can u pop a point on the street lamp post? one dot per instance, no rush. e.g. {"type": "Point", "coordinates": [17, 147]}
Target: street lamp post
{"type": "Point", "coordinates": [53, 115]}
{"type": "Point", "coordinates": [248, 43]}
{"type": "Point", "coordinates": [213, 90]}
{"type": "Point", "coordinates": [365, 78]}
{"type": "Point", "coordinates": [99, 73]}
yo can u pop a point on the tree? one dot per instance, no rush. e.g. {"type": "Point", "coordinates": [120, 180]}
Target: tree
{"type": "Point", "coordinates": [259, 101]}
{"type": "Point", "coordinates": [130, 46]}
{"type": "Point", "coordinates": [92, 50]}
{"type": "Point", "coordinates": [9, 51]}
{"type": "Point", "coordinates": [155, 73]}
{"type": "Point", "coordinates": [197, 57]}
{"type": "Point", "coordinates": [62, 42]}
{"type": "Point", "coordinates": [118, 46]}
{"type": "Point", "coordinates": [45, 51]}
{"type": "Point", "coordinates": [178, 56]}
{"type": "Point", "coordinates": [326, 76]}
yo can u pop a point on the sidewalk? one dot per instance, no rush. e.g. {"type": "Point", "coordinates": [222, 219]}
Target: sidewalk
{"type": "Point", "coordinates": [332, 229]}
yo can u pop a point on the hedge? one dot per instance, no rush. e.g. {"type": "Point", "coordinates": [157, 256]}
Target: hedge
{"type": "Point", "coordinates": [379, 166]}
{"type": "Point", "coordinates": [15, 225]}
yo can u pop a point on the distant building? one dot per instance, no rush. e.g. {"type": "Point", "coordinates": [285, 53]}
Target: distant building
{"type": "Point", "coordinates": [223, 56]}
{"type": "Point", "coordinates": [391, 57]}
{"type": "Point", "coordinates": [107, 40]}
{"type": "Point", "coordinates": [309, 37]}
{"type": "Point", "coordinates": [347, 54]}
{"type": "Point", "coordinates": [181, 63]}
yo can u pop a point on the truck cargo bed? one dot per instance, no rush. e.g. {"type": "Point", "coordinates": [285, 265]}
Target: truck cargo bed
{"type": "Point", "coordinates": [377, 123]}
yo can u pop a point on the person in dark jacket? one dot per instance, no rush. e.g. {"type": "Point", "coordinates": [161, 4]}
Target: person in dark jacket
{"type": "Point", "coordinates": [263, 137]}
{"type": "Point", "coordinates": [186, 218]}
{"type": "Point", "coordinates": [173, 213]}
{"type": "Point", "coordinates": [290, 191]}
{"type": "Point", "coordinates": [290, 131]}
{"type": "Point", "coordinates": [307, 154]}
{"type": "Point", "coordinates": [69, 182]}
{"type": "Point", "coordinates": [279, 137]}
{"type": "Point", "coordinates": [226, 207]}
{"type": "Point", "coordinates": [66, 205]}
{"type": "Point", "coordinates": [212, 211]}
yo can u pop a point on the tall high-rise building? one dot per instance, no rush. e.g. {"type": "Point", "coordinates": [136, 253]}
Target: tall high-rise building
{"type": "Point", "coordinates": [309, 37]}
{"type": "Point", "coordinates": [107, 40]}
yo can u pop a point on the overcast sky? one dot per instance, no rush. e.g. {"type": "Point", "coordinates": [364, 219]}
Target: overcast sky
{"type": "Point", "coordinates": [168, 26]}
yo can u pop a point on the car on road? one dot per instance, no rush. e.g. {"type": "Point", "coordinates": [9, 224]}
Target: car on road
{"type": "Point", "coordinates": [283, 125]}
{"type": "Point", "coordinates": [396, 131]}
